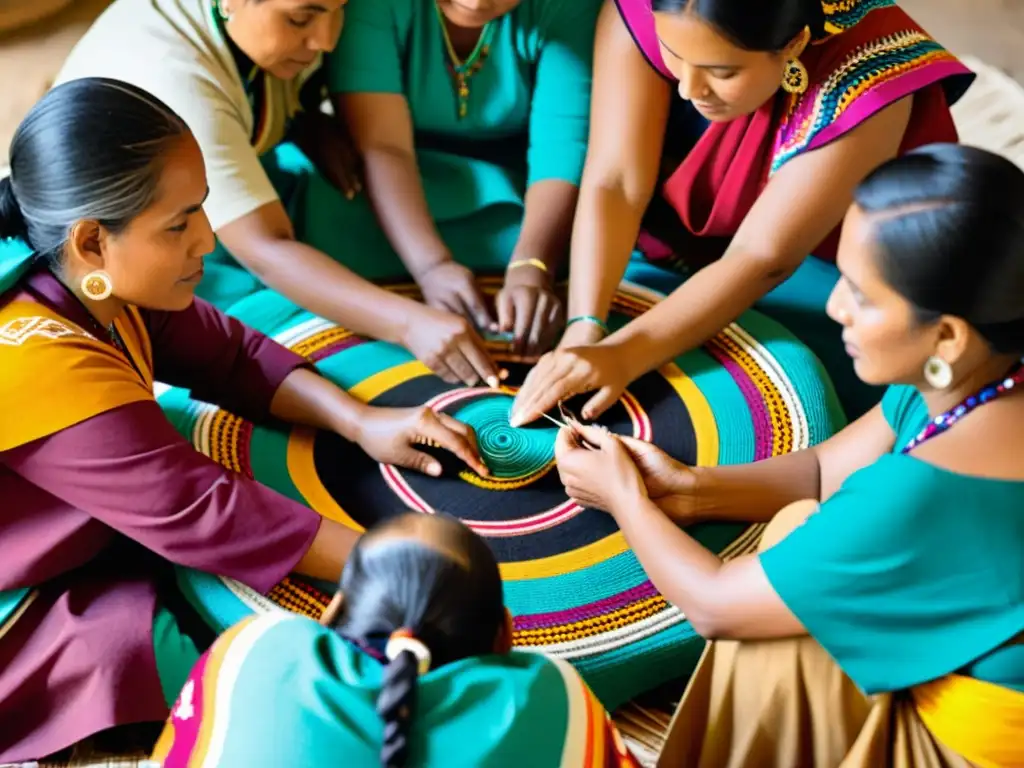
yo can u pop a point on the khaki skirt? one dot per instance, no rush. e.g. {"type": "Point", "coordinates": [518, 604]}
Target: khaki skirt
{"type": "Point", "coordinates": [787, 704]}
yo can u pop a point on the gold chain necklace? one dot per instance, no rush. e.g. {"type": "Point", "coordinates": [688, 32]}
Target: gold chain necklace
{"type": "Point", "coordinates": [461, 71]}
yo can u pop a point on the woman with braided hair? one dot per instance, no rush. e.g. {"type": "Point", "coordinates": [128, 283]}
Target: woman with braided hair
{"type": "Point", "coordinates": [410, 665]}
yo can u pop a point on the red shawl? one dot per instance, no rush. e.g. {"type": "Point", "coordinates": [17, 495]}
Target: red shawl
{"type": "Point", "coordinates": [871, 55]}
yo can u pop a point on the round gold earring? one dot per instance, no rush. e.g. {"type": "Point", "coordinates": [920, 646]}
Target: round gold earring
{"type": "Point", "coordinates": [97, 285]}
{"type": "Point", "coordinates": [795, 78]}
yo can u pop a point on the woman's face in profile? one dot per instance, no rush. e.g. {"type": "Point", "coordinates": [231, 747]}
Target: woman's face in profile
{"type": "Point", "coordinates": [880, 330]}
{"type": "Point", "coordinates": [721, 80]}
{"type": "Point", "coordinates": [284, 37]}
{"type": "Point", "coordinates": [157, 261]}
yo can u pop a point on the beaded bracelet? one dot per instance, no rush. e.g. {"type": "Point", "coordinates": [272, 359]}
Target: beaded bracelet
{"type": "Point", "coordinates": [536, 263]}
{"type": "Point", "coordinates": [588, 319]}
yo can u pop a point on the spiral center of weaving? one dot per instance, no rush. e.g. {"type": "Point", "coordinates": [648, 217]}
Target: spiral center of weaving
{"type": "Point", "coordinates": [507, 451]}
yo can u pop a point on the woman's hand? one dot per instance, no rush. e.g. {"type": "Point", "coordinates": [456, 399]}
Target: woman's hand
{"type": "Point", "coordinates": [566, 372]}
{"type": "Point", "coordinates": [448, 344]}
{"type": "Point", "coordinates": [581, 334]}
{"type": "Point", "coordinates": [391, 436]}
{"type": "Point", "coordinates": [530, 310]}
{"type": "Point", "coordinates": [604, 476]}
{"type": "Point", "coordinates": [450, 286]}
{"type": "Point", "coordinates": [670, 484]}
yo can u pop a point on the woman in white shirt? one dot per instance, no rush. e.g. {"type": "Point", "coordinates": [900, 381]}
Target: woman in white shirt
{"type": "Point", "coordinates": [245, 75]}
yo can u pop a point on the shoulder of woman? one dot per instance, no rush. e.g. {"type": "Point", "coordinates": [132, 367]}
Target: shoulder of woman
{"type": "Point", "coordinates": [54, 374]}
{"type": "Point", "coordinates": [173, 51]}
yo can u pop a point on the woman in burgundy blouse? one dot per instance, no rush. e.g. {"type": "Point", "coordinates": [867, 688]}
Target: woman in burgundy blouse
{"type": "Point", "coordinates": [100, 494]}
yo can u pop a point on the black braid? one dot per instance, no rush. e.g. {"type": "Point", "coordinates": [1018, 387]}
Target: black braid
{"type": "Point", "coordinates": [395, 705]}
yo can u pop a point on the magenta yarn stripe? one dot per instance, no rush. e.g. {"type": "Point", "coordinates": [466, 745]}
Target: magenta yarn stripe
{"type": "Point", "coordinates": [332, 349]}
{"type": "Point", "coordinates": [762, 419]}
{"type": "Point", "coordinates": [589, 611]}
{"type": "Point", "coordinates": [244, 442]}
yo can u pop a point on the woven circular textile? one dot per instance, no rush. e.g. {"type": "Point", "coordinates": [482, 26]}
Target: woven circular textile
{"type": "Point", "coordinates": [573, 585]}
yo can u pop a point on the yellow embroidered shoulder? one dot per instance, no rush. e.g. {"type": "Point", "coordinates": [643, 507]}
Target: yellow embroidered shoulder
{"type": "Point", "coordinates": [16, 332]}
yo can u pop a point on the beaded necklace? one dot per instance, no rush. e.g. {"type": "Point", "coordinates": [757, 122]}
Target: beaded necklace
{"type": "Point", "coordinates": [461, 71]}
{"type": "Point", "coordinates": [988, 393]}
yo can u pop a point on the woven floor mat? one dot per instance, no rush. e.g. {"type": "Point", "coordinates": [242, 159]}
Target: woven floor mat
{"type": "Point", "coordinates": [644, 730]}
{"type": "Point", "coordinates": [83, 759]}
{"type": "Point", "coordinates": [991, 113]}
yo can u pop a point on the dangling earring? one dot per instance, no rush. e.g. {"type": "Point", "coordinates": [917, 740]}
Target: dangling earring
{"type": "Point", "coordinates": [938, 373]}
{"type": "Point", "coordinates": [224, 15]}
{"type": "Point", "coordinates": [795, 78]}
{"type": "Point", "coordinates": [97, 285]}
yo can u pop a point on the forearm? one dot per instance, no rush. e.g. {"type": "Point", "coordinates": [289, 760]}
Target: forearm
{"type": "Point", "coordinates": [547, 223]}
{"type": "Point", "coordinates": [324, 287]}
{"type": "Point", "coordinates": [604, 234]}
{"type": "Point", "coordinates": [694, 312]}
{"type": "Point", "coordinates": [307, 398]}
{"type": "Point", "coordinates": [328, 552]}
{"type": "Point", "coordinates": [396, 191]}
{"type": "Point", "coordinates": [680, 567]}
{"type": "Point", "coordinates": [754, 492]}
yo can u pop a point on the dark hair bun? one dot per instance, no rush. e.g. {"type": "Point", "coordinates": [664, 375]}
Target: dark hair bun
{"type": "Point", "coordinates": [70, 161]}
{"type": "Point", "coordinates": [12, 223]}
{"type": "Point", "coordinates": [950, 236]}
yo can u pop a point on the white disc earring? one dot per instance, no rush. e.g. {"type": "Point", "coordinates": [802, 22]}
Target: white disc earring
{"type": "Point", "coordinates": [97, 285]}
{"type": "Point", "coordinates": [938, 373]}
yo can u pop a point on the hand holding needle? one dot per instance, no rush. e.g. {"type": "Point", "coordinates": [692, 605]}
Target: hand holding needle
{"type": "Point", "coordinates": [571, 424]}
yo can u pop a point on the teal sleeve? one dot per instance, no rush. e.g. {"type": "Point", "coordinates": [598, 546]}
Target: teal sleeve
{"type": "Point", "coordinates": [368, 58]}
{"type": "Point", "coordinates": [906, 412]}
{"type": "Point", "coordinates": [907, 573]}
{"type": "Point", "coordinates": [560, 107]}
{"type": "Point", "coordinates": [175, 654]}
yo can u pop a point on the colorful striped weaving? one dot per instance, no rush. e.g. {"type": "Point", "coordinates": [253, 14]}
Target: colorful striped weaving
{"type": "Point", "coordinates": [573, 585]}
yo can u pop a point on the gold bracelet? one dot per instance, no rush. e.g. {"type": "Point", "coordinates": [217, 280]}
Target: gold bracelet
{"type": "Point", "coordinates": [536, 263]}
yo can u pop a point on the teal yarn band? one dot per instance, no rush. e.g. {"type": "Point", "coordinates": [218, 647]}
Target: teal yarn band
{"type": "Point", "coordinates": [588, 319]}
{"type": "Point", "coordinates": [508, 452]}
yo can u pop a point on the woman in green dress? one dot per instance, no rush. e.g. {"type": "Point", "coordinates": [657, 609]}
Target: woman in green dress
{"type": "Point", "coordinates": [247, 77]}
{"type": "Point", "coordinates": [907, 578]}
{"type": "Point", "coordinates": [471, 119]}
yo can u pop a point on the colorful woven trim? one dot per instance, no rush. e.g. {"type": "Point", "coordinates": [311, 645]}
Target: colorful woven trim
{"type": "Point", "coordinates": [842, 15]}
{"type": "Point", "coordinates": [753, 394]}
{"type": "Point", "coordinates": [807, 115]}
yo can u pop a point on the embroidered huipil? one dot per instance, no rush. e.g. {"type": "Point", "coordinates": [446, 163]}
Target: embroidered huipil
{"type": "Point", "coordinates": [100, 493]}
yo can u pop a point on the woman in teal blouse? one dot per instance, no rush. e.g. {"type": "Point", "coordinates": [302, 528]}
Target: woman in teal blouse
{"type": "Point", "coordinates": [907, 578]}
{"type": "Point", "coordinates": [471, 118]}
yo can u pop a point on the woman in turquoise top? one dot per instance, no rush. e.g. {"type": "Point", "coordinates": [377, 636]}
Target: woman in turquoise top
{"type": "Point", "coordinates": [471, 118]}
{"type": "Point", "coordinates": [907, 578]}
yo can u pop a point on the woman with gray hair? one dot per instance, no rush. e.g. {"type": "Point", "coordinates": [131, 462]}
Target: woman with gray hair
{"type": "Point", "coordinates": [101, 496]}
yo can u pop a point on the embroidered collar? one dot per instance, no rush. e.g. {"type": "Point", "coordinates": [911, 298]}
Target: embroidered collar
{"type": "Point", "coordinates": [45, 288]}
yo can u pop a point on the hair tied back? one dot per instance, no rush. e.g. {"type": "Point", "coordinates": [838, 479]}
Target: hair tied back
{"type": "Point", "coordinates": [403, 640]}
{"type": "Point", "coordinates": [12, 223]}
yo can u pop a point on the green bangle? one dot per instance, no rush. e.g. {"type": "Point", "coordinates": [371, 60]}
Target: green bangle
{"type": "Point", "coordinates": [588, 319]}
